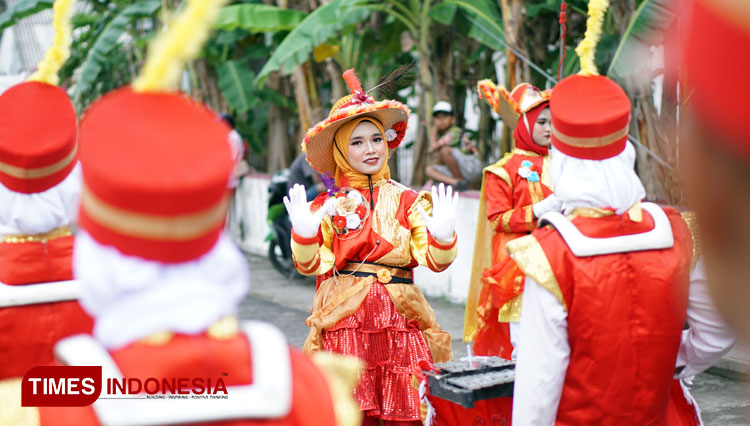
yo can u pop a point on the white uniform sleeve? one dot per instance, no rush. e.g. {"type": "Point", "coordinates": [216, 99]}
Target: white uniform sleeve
{"type": "Point", "coordinates": [543, 355]}
{"type": "Point", "coordinates": [708, 338]}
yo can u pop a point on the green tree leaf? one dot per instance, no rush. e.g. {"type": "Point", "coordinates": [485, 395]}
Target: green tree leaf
{"type": "Point", "coordinates": [108, 39]}
{"type": "Point", "coordinates": [650, 19]}
{"type": "Point", "coordinates": [235, 80]}
{"type": "Point", "coordinates": [258, 18]}
{"type": "Point", "coordinates": [21, 10]}
{"type": "Point", "coordinates": [443, 13]}
{"type": "Point", "coordinates": [487, 27]}
{"type": "Point", "coordinates": [317, 27]}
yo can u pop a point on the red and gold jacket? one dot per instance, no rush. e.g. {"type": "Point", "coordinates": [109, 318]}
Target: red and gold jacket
{"type": "Point", "coordinates": [393, 239]}
{"type": "Point", "coordinates": [258, 372]}
{"type": "Point", "coordinates": [626, 312]}
{"type": "Point", "coordinates": [34, 315]}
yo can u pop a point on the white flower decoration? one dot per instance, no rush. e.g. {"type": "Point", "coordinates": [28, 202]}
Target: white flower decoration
{"type": "Point", "coordinates": [355, 195]}
{"type": "Point", "coordinates": [390, 135]}
{"type": "Point", "coordinates": [524, 172]}
{"type": "Point", "coordinates": [352, 221]}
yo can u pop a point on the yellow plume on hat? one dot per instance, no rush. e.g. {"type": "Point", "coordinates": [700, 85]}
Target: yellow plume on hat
{"type": "Point", "coordinates": [55, 56]}
{"type": "Point", "coordinates": [587, 48]}
{"type": "Point", "coordinates": [178, 44]}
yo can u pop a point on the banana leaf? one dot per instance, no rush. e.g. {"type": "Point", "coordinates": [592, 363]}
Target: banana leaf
{"type": "Point", "coordinates": [21, 10]}
{"type": "Point", "coordinates": [649, 21]}
{"type": "Point", "coordinates": [258, 18]}
{"type": "Point", "coordinates": [487, 27]}
{"type": "Point", "coordinates": [318, 27]}
{"type": "Point", "coordinates": [108, 39]}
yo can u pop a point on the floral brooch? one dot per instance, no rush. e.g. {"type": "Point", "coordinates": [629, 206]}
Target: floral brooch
{"type": "Point", "coordinates": [527, 171]}
{"type": "Point", "coordinates": [395, 134]}
{"type": "Point", "coordinates": [348, 211]}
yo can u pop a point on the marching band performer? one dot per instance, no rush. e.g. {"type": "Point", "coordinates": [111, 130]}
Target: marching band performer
{"type": "Point", "coordinates": [366, 234]}
{"type": "Point", "coordinates": [40, 185]}
{"type": "Point", "coordinates": [515, 192]}
{"type": "Point", "coordinates": [608, 288]}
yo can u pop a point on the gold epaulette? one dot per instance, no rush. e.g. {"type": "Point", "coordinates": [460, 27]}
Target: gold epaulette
{"type": "Point", "coordinates": [529, 256]}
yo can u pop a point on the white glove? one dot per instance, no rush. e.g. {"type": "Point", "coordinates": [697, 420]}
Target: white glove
{"type": "Point", "coordinates": [304, 222]}
{"type": "Point", "coordinates": [442, 223]}
{"type": "Point", "coordinates": [549, 204]}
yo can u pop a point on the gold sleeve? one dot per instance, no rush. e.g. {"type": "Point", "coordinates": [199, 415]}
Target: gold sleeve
{"type": "Point", "coordinates": [11, 412]}
{"type": "Point", "coordinates": [342, 374]}
{"type": "Point", "coordinates": [425, 249]}
{"type": "Point", "coordinates": [311, 257]}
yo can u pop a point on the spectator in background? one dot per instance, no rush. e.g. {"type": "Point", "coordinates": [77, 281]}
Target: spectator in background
{"type": "Point", "coordinates": [302, 173]}
{"type": "Point", "coordinates": [457, 161]}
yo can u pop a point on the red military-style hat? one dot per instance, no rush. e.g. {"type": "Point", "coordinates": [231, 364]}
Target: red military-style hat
{"type": "Point", "coordinates": [716, 54]}
{"type": "Point", "coordinates": [37, 137]}
{"type": "Point", "coordinates": [590, 117]}
{"type": "Point", "coordinates": [155, 171]}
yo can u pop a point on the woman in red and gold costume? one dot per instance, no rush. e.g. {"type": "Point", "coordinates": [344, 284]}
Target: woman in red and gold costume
{"type": "Point", "coordinates": [40, 183]}
{"type": "Point", "coordinates": [515, 191]}
{"type": "Point", "coordinates": [365, 235]}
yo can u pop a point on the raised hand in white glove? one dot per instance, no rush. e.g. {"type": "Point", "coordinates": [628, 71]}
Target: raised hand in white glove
{"type": "Point", "coordinates": [549, 204]}
{"type": "Point", "coordinates": [442, 223]}
{"type": "Point", "coordinates": [304, 222]}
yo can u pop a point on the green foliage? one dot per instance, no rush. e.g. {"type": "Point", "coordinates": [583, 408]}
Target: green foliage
{"type": "Point", "coordinates": [21, 10]}
{"type": "Point", "coordinates": [652, 17]}
{"type": "Point", "coordinates": [319, 26]}
{"type": "Point", "coordinates": [258, 18]}
{"type": "Point", "coordinates": [104, 41]}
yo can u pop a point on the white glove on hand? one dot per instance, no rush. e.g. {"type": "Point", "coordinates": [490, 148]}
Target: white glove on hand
{"type": "Point", "coordinates": [549, 204]}
{"type": "Point", "coordinates": [442, 223]}
{"type": "Point", "coordinates": [304, 222]}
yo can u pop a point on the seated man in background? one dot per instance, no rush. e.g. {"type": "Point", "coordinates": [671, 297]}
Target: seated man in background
{"type": "Point", "coordinates": [457, 163]}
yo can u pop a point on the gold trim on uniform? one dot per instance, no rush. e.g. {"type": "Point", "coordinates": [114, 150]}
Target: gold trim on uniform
{"type": "Point", "coordinates": [511, 310]}
{"type": "Point", "coordinates": [529, 256]}
{"type": "Point", "coordinates": [63, 231]}
{"type": "Point", "coordinates": [11, 412]}
{"type": "Point", "coordinates": [591, 142]}
{"type": "Point", "coordinates": [39, 172]}
{"type": "Point", "coordinates": [691, 220]}
{"type": "Point", "coordinates": [384, 223]}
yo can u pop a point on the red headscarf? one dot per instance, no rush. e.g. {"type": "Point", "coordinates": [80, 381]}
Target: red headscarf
{"type": "Point", "coordinates": [523, 135]}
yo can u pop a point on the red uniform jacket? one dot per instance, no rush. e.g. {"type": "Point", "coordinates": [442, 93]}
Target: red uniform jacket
{"type": "Point", "coordinates": [29, 332]}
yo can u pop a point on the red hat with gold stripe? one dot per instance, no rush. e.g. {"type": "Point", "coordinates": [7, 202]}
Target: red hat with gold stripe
{"type": "Point", "coordinates": [155, 171]}
{"type": "Point", "coordinates": [37, 137]}
{"type": "Point", "coordinates": [590, 117]}
{"type": "Point", "coordinates": [590, 113]}
{"type": "Point", "coordinates": [716, 59]}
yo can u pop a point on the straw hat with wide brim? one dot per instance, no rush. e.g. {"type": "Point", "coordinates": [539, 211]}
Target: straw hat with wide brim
{"type": "Point", "coordinates": [318, 142]}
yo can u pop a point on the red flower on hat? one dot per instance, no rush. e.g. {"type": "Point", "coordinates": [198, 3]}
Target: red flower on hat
{"type": "Point", "coordinates": [339, 222]}
{"type": "Point", "coordinates": [400, 129]}
{"type": "Point", "coordinates": [361, 211]}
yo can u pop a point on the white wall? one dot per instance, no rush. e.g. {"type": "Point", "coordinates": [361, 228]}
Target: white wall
{"type": "Point", "coordinates": [251, 208]}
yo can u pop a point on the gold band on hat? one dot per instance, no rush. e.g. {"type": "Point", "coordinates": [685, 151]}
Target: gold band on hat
{"type": "Point", "coordinates": [155, 227]}
{"type": "Point", "coordinates": [591, 142]}
{"type": "Point", "coordinates": [39, 172]}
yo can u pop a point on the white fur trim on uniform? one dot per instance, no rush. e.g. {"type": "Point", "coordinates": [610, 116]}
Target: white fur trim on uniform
{"type": "Point", "coordinates": [41, 212]}
{"type": "Point", "coordinates": [658, 238]}
{"type": "Point", "coordinates": [596, 183]}
{"type": "Point", "coordinates": [21, 295]}
{"type": "Point", "coordinates": [131, 298]}
{"type": "Point", "coordinates": [268, 397]}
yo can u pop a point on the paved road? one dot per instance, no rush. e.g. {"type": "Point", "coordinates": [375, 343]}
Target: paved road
{"type": "Point", "coordinates": [286, 303]}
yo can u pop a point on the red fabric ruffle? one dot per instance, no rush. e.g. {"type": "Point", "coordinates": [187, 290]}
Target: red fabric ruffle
{"type": "Point", "coordinates": [391, 347]}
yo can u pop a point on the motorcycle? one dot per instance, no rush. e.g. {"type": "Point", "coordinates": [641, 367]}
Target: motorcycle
{"type": "Point", "coordinates": [280, 236]}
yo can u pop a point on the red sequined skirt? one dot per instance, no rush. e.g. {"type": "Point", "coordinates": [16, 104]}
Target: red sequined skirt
{"type": "Point", "coordinates": [391, 346]}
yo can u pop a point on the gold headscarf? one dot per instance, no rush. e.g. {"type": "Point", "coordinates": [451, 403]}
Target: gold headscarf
{"type": "Point", "coordinates": [346, 175]}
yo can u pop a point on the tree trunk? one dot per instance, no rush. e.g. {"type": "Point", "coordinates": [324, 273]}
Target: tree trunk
{"type": "Point", "coordinates": [427, 99]}
{"type": "Point", "coordinates": [279, 154]}
{"type": "Point", "coordinates": [513, 14]}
